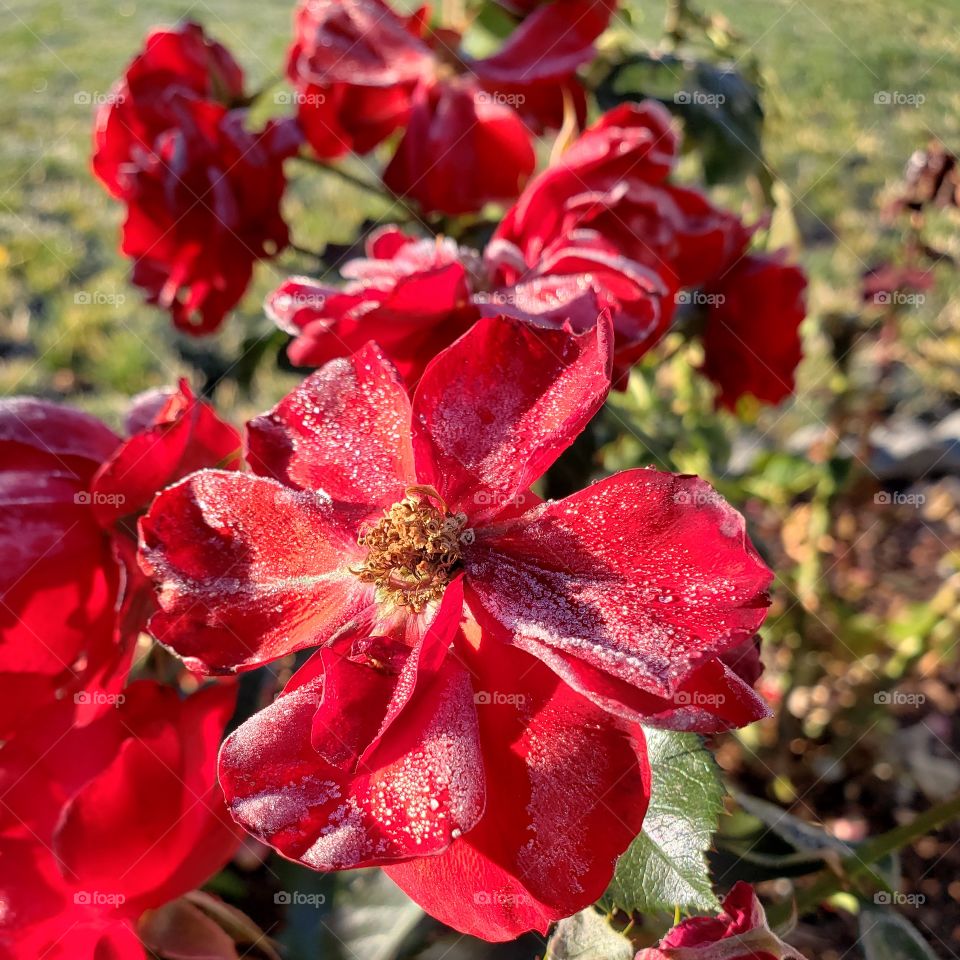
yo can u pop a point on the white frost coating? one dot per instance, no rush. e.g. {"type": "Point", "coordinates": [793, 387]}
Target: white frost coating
{"type": "Point", "coordinates": [562, 788]}
{"type": "Point", "coordinates": [622, 578]}
{"type": "Point", "coordinates": [343, 842]}
{"type": "Point", "coordinates": [273, 810]}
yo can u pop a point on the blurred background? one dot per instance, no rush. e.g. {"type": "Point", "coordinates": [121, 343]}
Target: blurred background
{"type": "Point", "coordinates": [841, 119]}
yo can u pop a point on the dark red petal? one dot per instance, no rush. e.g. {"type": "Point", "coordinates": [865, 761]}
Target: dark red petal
{"type": "Point", "coordinates": [567, 790]}
{"type": "Point", "coordinates": [59, 579]}
{"type": "Point", "coordinates": [354, 64]}
{"type": "Point", "coordinates": [78, 441]}
{"type": "Point", "coordinates": [248, 570]}
{"type": "Point", "coordinates": [495, 409]}
{"type": "Point", "coordinates": [644, 576]}
{"type": "Point", "coordinates": [752, 339]}
{"type": "Point", "coordinates": [411, 797]}
{"type": "Point", "coordinates": [151, 824]}
{"type": "Point", "coordinates": [343, 431]}
{"type": "Point", "coordinates": [186, 435]}
{"type": "Point", "coordinates": [549, 44]}
{"type": "Point", "coordinates": [461, 149]}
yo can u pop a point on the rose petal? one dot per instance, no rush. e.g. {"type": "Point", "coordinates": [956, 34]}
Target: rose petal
{"type": "Point", "coordinates": [566, 794]}
{"type": "Point", "coordinates": [417, 791]}
{"type": "Point", "coordinates": [550, 43]}
{"type": "Point", "coordinates": [150, 824]}
{"type": "Point", "coordinates": [185, 436]}
{"type": "Point", "coordinates": [248, 570]}
{"type": "Point", "coordinates": [344, 431]}
{"type": "Point", "coordinates": [461, 149]}
{"type": "Point", "coordinates": [644, 575]}
{"type": "Point", "coordinates": [494, 410]}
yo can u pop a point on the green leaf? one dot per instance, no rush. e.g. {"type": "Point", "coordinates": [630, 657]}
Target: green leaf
{"type": "Point", "coordinates": [885, 935]}
{"type": "Point", "coordinates": [665, 866]}
{"type": "Point", "coordinates": [588, 936]}
{"type": "Point", "coordinates": [721, 108]}
{"type": "Point", "coordinates": [796, 832]}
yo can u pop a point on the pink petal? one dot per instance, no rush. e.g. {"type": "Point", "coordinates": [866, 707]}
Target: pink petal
{"type": "Point", "coordinates": [344, 431]}
{"type": "Point", "coordinates": [495, 409]}
{"type": "Point", "coordinates": [248, 570]}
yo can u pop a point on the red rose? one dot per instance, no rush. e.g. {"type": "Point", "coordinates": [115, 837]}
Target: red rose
{"type": "Point", "coordinates": [103, 821]}
{"type": "Point", "coordinates": [414, 297]}
{"type": "Point", "coordinates": [174, 64]}
{"type": "Point", "coordinates": [354, 66]}
{"type": "Point", "coordinates": [470, 721]}
{"type": "Point", "coordinates": [740, 932]}
{"type": "Point", "coordinates": [611, 184]}
{"type": "Point", "coordinates": [361, 72]}
{"type": "Point", "coordinates": [73, 600]}
{"type": "Point", "coordinates": [751, 342]}
{"type": "Point", "coordinates": [60, 581]}
{"type": "Point", "coordinates": [202, 192]}
{"type": "Point", "coordinates": [613, 180]}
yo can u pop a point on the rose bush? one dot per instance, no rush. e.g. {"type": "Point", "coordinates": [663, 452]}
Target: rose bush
{"type": "Point", "coordinates": [498, 699]}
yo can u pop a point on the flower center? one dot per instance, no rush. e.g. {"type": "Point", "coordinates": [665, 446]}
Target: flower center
{"type": "Point", "coordinates": [413, 552]}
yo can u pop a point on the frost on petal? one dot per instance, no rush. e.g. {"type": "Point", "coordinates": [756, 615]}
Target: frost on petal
{"type": "Point", "coordinates": [297, 775]}
{"type": "Point", "coordinates": [344, 430]}
{"type": "Point", "coordinates": [494, 410]}
{"type": "Point", "coordinates": [567, 790]}
{"type": "Point", "coordinates": [248, 570]}
{"type": "Point", "coordinates": [644, 576]}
